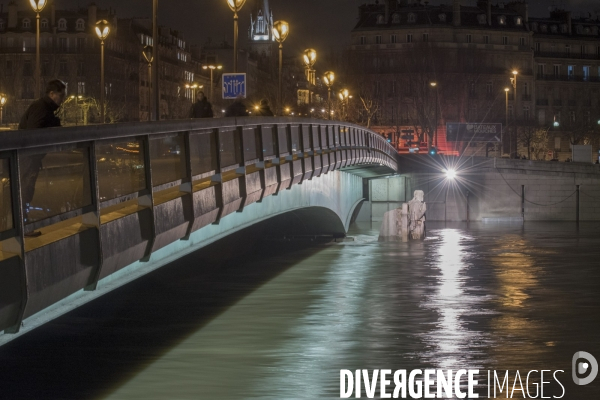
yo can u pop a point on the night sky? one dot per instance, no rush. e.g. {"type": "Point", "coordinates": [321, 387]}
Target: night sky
{"type": "Point", "coordinates": [322, 24]}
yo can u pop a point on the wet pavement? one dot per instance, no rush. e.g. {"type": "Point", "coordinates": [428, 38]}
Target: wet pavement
{"type": "Point", "coordinates": [278, 320]}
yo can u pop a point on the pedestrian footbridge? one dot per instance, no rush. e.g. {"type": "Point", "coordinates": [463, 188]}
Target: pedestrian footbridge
{"type": "Point", "coordinates": [112, 202]}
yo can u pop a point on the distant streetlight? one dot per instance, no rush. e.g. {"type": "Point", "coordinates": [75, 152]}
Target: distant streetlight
{"type": "Point", "coordinates": [102, 31]}
{"type": "Point", "coordinates": [329, 78]}
{"type": "Point", "coordinates": [193, 87]}
{"type": "Point", "coordinates": [148, 53]}
{"type": "Point", "coordinates": [3, 100]}
{"type": "Point", "coordinates": [506, 90]}
{"type": "Point", "coordinates": [236, 6]}
{"type": "Point", "coordinates": [513, 81]}
{"type": "Point", "coordinates": [437, 100]}
{"type": "Point", "coordinates": [38, 6]}
{"type": "Point", "coordinates": [212, 69]}
{"type": "Point", "coordinates": [281, 30]}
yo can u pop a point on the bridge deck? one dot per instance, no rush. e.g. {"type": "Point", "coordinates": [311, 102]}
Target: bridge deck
{"type": "Point", "coordinates": [103, 197]}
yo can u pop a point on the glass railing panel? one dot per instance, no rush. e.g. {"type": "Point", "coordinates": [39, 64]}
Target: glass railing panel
{"type": "Point", "coordinates": [6, 211]}
{"type": "Point", "coordinates": [250, 140]}
{"type": "Point", "coordinates": [121, 168]}
{"type": "Point", "coordinates": [229, 144]}
{"type": "Point", "coordinates": [268, 140]}
{"type": "Point", "coordinates": [203, 152]}
{"type": "Point", "coordinates": [167, 158]}
{"type": "Point", "coordinates": [54, 183]}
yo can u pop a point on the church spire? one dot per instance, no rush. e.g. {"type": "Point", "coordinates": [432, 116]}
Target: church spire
{"type": "Point", "coordinates": [261, 22]}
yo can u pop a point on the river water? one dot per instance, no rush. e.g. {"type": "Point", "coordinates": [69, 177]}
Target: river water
{"type": "Point", "coordinates": [279, 320]}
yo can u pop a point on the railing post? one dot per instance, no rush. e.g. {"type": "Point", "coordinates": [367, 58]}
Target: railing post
{"type": "Point", "coordinates": [94, 219]}
{"type": "Point", "coordinates": [148, 200]}
{"type": "Point", "coordinates": [17, 245]}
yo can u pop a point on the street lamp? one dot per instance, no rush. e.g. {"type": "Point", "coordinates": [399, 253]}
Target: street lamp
{"type": "Point", "coordinates": [38, 6]}
{"type": "Point", "coordinates": [329, 78]}
{"type": "Point", "coordinates": [193, 87]}
{"type": "Point", "coordinates": [148, 53]}
{"type": "Point", "coordinates": [212, 69]}
{"type": "Point", "coordinates": [281, 30]}
{"type": "Point", "coordinates": [236, 6]}
{"type": "Point", "coordinates": [344, 95]}
{"type": "Point", "coordinates": [506, 90]}
{"type": "Point", "coordinates": [102, 31]}
{"type": "Point", "coordinates": [310, 58]}
{"type": "Point", "coordinates": [435, 137]}
{"type": "Point", "coordinates": [3, 100]}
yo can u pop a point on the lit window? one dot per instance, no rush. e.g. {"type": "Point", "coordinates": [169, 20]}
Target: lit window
{"type": "Point", "coordinates": [442, 17]}
{"type": "Point", "coordinates": [396, 18]}
{"type": "Point", "coordinates": [502, 20]}
{"type": "Point", "coordinates": [518, 21]}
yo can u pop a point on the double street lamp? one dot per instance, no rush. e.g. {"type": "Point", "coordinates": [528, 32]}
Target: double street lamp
{"type": "Point", "coordinates": [148, 53]}
{"type": "Point", "coordinates": [102, 31]}
{"type": "Point", "coordinates": [310, 58]}
{"type": "Point", "coordinates": [193, 87]}
{"type": "Point", "coordinates": [434, 86]}
{"type": "Point", "coordinates": [236, 6]}
{"type": "Point", "coordinates": [3, 100]}
{"type": "Point", "coordinates": [506, 90]}
{"type": "Point", "coordinates": [329, 78]}
{"type": "Point", "coordinates": [38, 6]}
{"type": "Point", "coordinates": [212, 69]}
{"type": "Point", "coordinates": [281, 30]}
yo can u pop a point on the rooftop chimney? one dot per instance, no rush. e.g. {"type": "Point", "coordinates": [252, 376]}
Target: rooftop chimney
{"type": "Point", "coordinates": [12, 15]}
{"type": "Point", "coordinates": [92, 14]}
{"type": "Point", "coordinates": [456, 13]}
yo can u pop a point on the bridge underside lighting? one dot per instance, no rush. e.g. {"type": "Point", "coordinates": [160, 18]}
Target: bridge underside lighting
{"type": "Point", "coordinates": [450, 174]}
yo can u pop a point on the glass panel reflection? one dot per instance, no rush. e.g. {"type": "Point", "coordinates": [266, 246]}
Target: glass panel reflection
{"type": "Point", "coordinates": [228, 148]}
{"type": "Point", "coordinates": [54, 183]}
{"type": "Point", "coordinates": [295, 138]}
{"type": "Point", "coordinates": [6, 218]}
{"type": "Point", "coordinates": [250, 148]}
{"type": "Point", "coordinates": [121, 169]}
{"type": "Point", "coordinates": [283, 139]}
{"type": "Point", "coordinates": [203, 152]}
{"type": "Point", "coordinates": [167, 156]}
{"type": "Point", "coordinates": [268, 141]}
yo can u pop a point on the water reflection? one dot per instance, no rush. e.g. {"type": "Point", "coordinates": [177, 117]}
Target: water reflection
{"type": "Point", "coordinates": [451, 342]}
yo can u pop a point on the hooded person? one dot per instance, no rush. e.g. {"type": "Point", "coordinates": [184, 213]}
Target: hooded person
{"type": "Point", "coordinates": [202, 107]}
{"type": "Point", "coordinates": [237, 108]}
{"type": "Point", "coordinates": [264, 110]}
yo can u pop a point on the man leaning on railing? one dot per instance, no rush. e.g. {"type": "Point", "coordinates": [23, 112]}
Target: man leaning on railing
{"type": "Point", "coordinates": [40, 114]}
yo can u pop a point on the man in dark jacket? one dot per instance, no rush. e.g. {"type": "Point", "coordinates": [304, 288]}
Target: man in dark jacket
{"type": "Point", "coordinates": [201, 108]}
{"type": "Point", "coordinates": [264, 110]}
{"type": "Point", "coordinates": [237, 108]}
{"type": "Point", "coordinates": [40, 114]}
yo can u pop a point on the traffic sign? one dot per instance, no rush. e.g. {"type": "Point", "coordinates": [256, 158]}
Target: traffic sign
{"type": "Point", "coordinates": [234, 85]}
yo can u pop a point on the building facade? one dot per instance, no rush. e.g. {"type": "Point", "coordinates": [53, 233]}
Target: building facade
{"type": "Point", "coordinates": [425, 66]}
{"type": "Point", "coordinates": [70, 51]}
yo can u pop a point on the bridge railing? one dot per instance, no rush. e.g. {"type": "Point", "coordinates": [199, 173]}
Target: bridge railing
{"type": "Point", "coordinates": [80, 203]}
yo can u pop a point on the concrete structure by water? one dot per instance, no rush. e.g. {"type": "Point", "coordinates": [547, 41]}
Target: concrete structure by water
{"type": "Point", "coordinates": [113, 202]}
{"type": "Point", "coordinates": [491, 190]}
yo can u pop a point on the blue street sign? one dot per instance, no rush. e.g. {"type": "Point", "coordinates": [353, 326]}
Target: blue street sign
{"type": "Point", "coordinates": [234, 85]}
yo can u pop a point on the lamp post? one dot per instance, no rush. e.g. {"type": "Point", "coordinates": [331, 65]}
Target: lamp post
{"type": "Point", "coordinates": [155, 60]}
{"type": "Point", "coordinates": [435, 137]}
{"type": "Point", "coordinates": [236, 6]}
{"type": "Point", "coordinates": [212, 69]}
{"type": "Point", "coordinates": [38, 6]}
{"type": "Point", "coordinates": [513, 81]}
{"type": "Point", "coordinates": [310, 57]}
{"type": "Point", "coordinates": [281, 29]}
{"type": "Point", "coordinates": [193, 87]}
{"type": "Point", "coordinates": [102, 31]}
{"type": "Point", "coordinates": [3, 100]}
{"type": "Point", "coordinates": [329, 78]}
{"type": "Point", "coordinates": [149, 57]}
{"type": "Point", "coordinates": [506, 90]}
{"type": "Point", "coordinates": [344, 95]}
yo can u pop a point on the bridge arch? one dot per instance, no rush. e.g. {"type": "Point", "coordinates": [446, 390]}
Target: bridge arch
{"type": "Point", "coordinates": [113, 202]}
